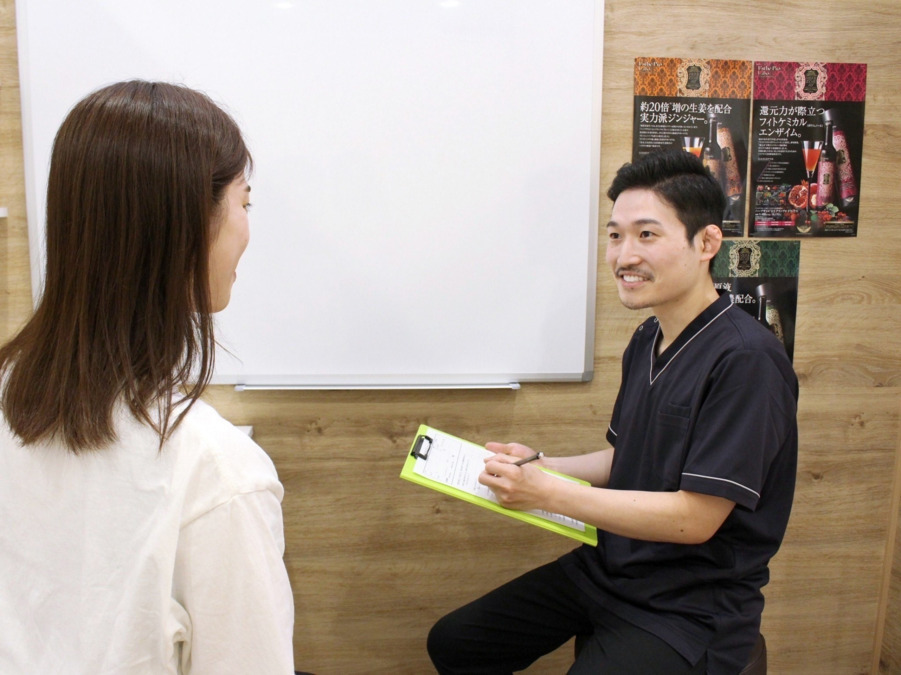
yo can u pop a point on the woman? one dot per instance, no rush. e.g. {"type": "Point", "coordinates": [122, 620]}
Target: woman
{"type": "Point", "coordinates": [142, 533]}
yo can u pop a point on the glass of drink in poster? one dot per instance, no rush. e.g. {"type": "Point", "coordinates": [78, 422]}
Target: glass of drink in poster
{"type": "Point", "coordinates": [811, 153]}
{"type": "Point", "coordinates": [693, 144]}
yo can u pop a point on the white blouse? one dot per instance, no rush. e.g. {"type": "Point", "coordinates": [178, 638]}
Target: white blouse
{"type": "Point", "coordinates": [133, 559]}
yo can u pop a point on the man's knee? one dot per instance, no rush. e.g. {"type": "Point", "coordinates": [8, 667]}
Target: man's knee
{"type": "Point", "coordinates": [441, 643]}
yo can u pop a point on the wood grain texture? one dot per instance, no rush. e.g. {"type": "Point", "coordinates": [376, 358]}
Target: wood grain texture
{"type": "Point", "coordinates": [15, 280]}
{"type": "Point", "coordinates": [374, 560]}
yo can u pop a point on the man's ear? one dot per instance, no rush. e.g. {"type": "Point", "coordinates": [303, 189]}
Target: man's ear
{"type": "Point", "coordinates": [711, 240]}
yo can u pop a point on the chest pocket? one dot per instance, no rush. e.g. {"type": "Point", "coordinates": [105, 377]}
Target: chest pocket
{"type": "Point", "coordinates": [668, 443]}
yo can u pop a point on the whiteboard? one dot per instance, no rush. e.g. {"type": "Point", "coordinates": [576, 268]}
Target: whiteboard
{"type": "Point", "coordinates": [425, 192]}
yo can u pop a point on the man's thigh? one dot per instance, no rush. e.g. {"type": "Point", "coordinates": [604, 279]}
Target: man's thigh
{"type": "Point", "coordinates": [616, 647]}
{"type": "Point", "coordinates": [512, 626]}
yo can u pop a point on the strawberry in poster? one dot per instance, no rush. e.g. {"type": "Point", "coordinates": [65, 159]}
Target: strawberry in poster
{"type": "Point", "coordinates": [807, 138]}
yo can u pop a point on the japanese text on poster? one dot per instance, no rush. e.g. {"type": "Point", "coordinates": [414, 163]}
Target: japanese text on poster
{"type": "Point", "coordinates": [762, 278]}
{"type": "Point", "coordinates": [702, 106]}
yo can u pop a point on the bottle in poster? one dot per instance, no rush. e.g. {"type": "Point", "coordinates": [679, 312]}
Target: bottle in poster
{"type": "Point", "coordinates": [767, 312]}
{"type": "Point", "coordinates": [730, 163]}
{"type": "Point", "coordinates": [826, 170]}
{"type": "Point", "coordinates": [761, 306]}
{"type": "Point", "coordinates": [847, 186]}
{"type": "Point", "coordinates": [712, 155]}
{"type": "Point", "coordinates": [775, 321]}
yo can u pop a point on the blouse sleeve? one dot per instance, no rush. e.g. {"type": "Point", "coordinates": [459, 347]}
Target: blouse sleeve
{"type": "Point", "coordinates": [231, 579]}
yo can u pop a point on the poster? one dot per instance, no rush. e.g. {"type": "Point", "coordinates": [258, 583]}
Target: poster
{"type": "Point", "coordinates": [807, 139]}
{"type": "Point", "coordinates": [762, 278]}
{"type": "Point", "coordinates": [702, 106]}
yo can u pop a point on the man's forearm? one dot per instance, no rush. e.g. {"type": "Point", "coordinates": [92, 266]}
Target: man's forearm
{"type": "Point", "coordinates": [593, 467]}
{"type": "Point", "coordinates": [677, 517]}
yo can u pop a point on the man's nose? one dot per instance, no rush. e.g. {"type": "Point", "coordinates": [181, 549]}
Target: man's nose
{"type": "Point", "coordinates": [628, 252]}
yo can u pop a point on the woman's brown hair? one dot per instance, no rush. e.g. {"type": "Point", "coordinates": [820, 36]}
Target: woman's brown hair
{"type": "Point", "coordinates": [137, 172]}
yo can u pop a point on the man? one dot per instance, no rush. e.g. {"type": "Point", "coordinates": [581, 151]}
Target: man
{"type": "Point", "coordinates": [692, 499]}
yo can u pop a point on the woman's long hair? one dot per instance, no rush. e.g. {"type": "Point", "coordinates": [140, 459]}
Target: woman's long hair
{"type": "Point", "coordinates": [137, 173]}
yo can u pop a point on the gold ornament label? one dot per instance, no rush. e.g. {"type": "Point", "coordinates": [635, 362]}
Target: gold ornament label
{"type": "Point", "coordinates": [810, 81]}
{"type": "Point", "coordinates": [744, 259]}
{"type": "Point", "coordinates": [694, 77]}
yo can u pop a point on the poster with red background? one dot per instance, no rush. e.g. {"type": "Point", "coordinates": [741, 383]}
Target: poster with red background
{"type": "Point", "coordinates": [807, 139]}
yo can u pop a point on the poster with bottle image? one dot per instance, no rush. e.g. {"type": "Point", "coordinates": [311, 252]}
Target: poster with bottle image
{"type": "Point", "coordinates": [702, 106]}
{"type": "Point", "coordinates": [762, 278]}
{"type": "Point", "coordinates": [807, 139]}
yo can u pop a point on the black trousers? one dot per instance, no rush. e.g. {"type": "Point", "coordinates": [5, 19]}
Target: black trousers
{"type": "Point", "coordinates": [515, 624]}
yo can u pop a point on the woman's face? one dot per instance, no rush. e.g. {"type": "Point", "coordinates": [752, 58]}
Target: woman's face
{"type": "Point", "coordinates": [232, 233]}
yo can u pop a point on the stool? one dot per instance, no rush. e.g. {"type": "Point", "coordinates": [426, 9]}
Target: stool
{"type": "Point", "coordinates": [757, 663]}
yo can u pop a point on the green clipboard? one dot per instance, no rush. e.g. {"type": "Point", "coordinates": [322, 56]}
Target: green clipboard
{"type": "Point", "coordinates": [451, 456]}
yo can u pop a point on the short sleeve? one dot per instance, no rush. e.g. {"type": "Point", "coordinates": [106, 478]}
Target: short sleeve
{"type": "Point", "coordinates": [628, 360]}
{"type": "Point", "coordinates": [745, 419]}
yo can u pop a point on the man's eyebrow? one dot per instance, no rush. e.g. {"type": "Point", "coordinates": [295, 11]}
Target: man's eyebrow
{"type": "Point", "coordinates": [635, 223]}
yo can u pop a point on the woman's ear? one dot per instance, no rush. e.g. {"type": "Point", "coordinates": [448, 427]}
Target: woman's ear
{"type": "Point", "coordinates": [711, 240]}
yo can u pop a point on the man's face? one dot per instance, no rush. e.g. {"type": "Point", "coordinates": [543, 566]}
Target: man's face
{"type": "Point", "coordinates": [653, 263]}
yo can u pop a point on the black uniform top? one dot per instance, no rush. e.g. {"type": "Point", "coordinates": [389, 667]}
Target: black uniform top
{"type": "Point", "coordinates": [715, 413]}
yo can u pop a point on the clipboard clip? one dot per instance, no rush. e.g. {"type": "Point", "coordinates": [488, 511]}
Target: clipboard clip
{"type": "Point", "coordinates": [421, 447]}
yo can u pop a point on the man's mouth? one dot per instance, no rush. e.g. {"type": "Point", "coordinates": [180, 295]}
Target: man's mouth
{"type": "Point", "coordinates": [631, 277]}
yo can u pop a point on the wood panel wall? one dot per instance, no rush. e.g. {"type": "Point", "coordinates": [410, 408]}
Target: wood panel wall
{"type": "Point", "coordinates": [374, 561]}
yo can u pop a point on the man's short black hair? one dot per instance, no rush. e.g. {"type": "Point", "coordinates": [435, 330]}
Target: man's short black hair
{"type": "Point", "coordinates": [681, 180]}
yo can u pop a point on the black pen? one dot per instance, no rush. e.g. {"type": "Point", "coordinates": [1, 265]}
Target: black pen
{"type": "Point", "coordinates": [526, 460]}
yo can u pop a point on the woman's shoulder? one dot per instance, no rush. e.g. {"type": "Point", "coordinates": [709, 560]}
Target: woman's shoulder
{"type": "Point", "coordinates": [215, 461]}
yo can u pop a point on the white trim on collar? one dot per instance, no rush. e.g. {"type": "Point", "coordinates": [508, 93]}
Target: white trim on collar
{"type": "Point", "coordinates": [653, 378]}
